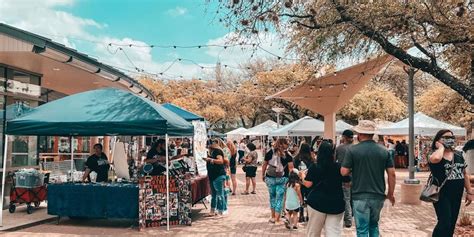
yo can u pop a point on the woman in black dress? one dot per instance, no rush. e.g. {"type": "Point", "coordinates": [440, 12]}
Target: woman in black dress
{"type": "Point", "coordinates": [447, 164]}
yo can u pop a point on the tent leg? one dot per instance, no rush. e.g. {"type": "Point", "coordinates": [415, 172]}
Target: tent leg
{"type": "Point", "coordinates": [167, 186]}
{"type": "Point", "coordinates": [5, 150]}
{"type": "Point", "coordinates": [72, 156]}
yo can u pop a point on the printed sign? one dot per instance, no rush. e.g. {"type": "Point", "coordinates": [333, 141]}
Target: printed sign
{"type": "Point", "coordinates": [200, 149]}
{"type": "Point", "coordinates": [152, 201]}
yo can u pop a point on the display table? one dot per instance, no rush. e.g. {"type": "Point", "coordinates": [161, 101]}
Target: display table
{"type": "Point", "coordinates": [200, 188]}
{"type": "Point", "coordinates": [93, 200]}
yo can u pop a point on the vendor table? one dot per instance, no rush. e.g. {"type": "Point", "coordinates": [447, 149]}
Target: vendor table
{"type": "Point", "coordinates": [90, 200]}
{"type": "Point", "coordinates": [200, 188]}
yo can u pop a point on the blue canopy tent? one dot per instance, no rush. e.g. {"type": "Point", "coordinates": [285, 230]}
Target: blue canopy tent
{"type": "Point", "coordinates": [15, 110]}
{"type": "Point", "coordinates": [100, 112]}
{"type": "Point", "coordinates": [187, 115]}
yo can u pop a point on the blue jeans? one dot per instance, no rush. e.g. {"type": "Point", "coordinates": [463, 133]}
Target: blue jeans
{"type": "Point", "coordinates": [218, 201]}
{"type": "Point", "coordinates": [367, 215]}
{"type": "Point", "coordinates": [276, 189]}
{"type": "Point", "coordinates": [348, 210]}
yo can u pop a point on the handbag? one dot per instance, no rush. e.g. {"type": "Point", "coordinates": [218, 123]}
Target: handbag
{"type": "Point", "coordinates": [430, 192]}
{"type": "Point", "coordinates": [272, 172]}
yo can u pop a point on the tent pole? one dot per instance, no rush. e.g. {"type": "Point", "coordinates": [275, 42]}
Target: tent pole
{"type": "Point", "coordinates": [167, 186]}
{"type": "Point", "coordinates": [4, 175]}
{"type": "Point", "coordinates": [72, 156]}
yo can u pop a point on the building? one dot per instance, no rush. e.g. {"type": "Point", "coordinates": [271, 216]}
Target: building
{"type": "Point", "coordinates": [35, 70]}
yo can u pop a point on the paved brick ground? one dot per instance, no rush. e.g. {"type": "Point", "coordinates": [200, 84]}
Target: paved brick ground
{"type": "Point", "coordinates": [248, 217]}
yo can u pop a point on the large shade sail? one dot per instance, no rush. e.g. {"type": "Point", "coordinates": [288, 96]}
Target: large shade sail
{"type": "Point", "coordinates": [424, 126]}
{"type": "Point", "coordinates": [187, 115]}
{"type": "Point", "coordinates": [100, 112]}
{"type": "Point", "coordinates": [329, 93]}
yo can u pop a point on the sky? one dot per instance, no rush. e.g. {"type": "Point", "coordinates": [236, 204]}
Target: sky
{"type": "Point", "coordinates": [90, 26]}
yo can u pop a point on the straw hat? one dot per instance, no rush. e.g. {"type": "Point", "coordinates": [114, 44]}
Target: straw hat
{"type": "Point", "coordinates": [365, 127]}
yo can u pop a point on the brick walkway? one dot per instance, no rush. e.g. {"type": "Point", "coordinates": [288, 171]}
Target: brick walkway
{"type": "Point", "coordinates": [248, 217]}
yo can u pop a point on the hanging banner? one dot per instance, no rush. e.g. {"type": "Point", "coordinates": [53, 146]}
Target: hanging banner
{"type": "Point", "coordinates": [200, 149]}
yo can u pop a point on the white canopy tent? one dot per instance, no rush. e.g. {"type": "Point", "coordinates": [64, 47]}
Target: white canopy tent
{"type": "Point", "coordinates": [424, 126]}
{"type": "Point", "coordinates": [341, 126]}
{"type": "Point", "coordinates": [262, 129]}
{"type": "Point", "coordinates": [236, 134]}
{"type": "Point", "coordinates": [307, 126]}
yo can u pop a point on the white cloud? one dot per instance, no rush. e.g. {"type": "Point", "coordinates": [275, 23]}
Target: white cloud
{"type": "Point", "coordinates": [178, 11]}
{"type": "Point", "coordinates": [44, 18]}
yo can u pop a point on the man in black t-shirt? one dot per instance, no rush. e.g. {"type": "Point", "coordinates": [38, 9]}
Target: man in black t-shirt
{"type": "Point", "coordinates": [157, 157]}
{"type": "Point", "coordinates": [98, 163]}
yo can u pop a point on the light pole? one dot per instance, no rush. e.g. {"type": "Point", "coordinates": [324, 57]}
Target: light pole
{"type": "Point", "coordinates": [411, 187]}
{"type": "Point", "coordinates": [278, 111]}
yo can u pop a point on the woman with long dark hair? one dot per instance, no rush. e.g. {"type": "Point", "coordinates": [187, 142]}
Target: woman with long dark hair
{"type": "Point", "coordinates": [233, 165]}
{"type": "Point", "coordinates": [217, 177]}
{"type": "Point", "coordinates": [302, 161]}
{"type": "Point", "coordinates": [326, 200]}
{"type": "Point", "coordinates": [448, 167]}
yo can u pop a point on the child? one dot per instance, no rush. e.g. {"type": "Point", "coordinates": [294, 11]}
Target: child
{"type": "Point", "coordinates": [293, 199]}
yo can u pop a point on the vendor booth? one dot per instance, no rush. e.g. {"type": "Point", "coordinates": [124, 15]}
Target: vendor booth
{"type": "Point", "coordinates": [236, 134]}
{"type": "Point", "coordinates": [307, 126]}
{"type": "Point", "coordinates": [113, 112]}
{"type": "Point", "coordinates": [425, 128]}
{"type": "Point", "coordinates": [260, 134]}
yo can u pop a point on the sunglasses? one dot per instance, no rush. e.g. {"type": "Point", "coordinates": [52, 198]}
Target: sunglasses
{"type": "Point", "coordinates": [448, 137]}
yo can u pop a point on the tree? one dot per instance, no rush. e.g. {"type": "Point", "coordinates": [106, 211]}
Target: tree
{"type": "Point", "coordinates": [373, 103]}
{"type": "Point", "coordinates": [395, 79]}
{"type": "Point", "coordinates": [444, 104]}
{"type": "Point", "coordinates": [330, 30]}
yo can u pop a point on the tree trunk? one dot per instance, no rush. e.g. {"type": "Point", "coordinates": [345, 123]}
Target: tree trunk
{"type": "Point", "coordinates": [242, 119]}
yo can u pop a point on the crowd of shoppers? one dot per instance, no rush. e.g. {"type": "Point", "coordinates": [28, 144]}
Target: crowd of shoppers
{"type": "Point", "coordinates": [336, 184]}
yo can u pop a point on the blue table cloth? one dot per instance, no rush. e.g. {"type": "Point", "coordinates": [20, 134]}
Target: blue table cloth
{"type": "Point", "coordinates": [93, 200]}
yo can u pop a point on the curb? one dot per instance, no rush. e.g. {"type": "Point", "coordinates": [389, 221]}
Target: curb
{"type": "Point", "coordinates": [28, 225]}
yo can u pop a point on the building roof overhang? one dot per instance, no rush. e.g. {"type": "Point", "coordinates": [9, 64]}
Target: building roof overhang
{"type": "Point", "coordinates": [58, 64]}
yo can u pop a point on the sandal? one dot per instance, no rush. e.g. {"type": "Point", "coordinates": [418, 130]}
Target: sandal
{"type": "Point", "coordinates": [253, 192]}
{"type": "Point", "coordinates": [211, 214]}
{"type": "Point", "coordinates": [272, 220]}
{"type": "Point", "coordinates": [245, 193]}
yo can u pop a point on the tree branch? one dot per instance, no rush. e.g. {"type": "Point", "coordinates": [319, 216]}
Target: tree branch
{"type": "Point", "coordinates": [422, 64]}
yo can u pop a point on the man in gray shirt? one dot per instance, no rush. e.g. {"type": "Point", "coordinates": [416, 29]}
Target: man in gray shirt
{"type": "Point", "coordinates": [367, 162]}
{"type": "Point", "coordinates": [346, 143]}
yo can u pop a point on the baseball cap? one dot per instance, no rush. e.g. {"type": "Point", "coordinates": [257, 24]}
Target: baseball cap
{"type": "Point", "coordinates": [348, 133]}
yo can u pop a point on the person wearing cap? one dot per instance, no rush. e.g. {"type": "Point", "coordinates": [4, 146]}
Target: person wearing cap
{"type": "Point", "coordinates": [366, 162]}
{"type": "Point", "coordinates": [346, 142]}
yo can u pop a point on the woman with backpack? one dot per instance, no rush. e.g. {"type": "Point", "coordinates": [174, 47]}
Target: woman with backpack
{"type": "Point", "coordinates": [448, 169]}
{"type": "Point", "coordinates": [275, 169]}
